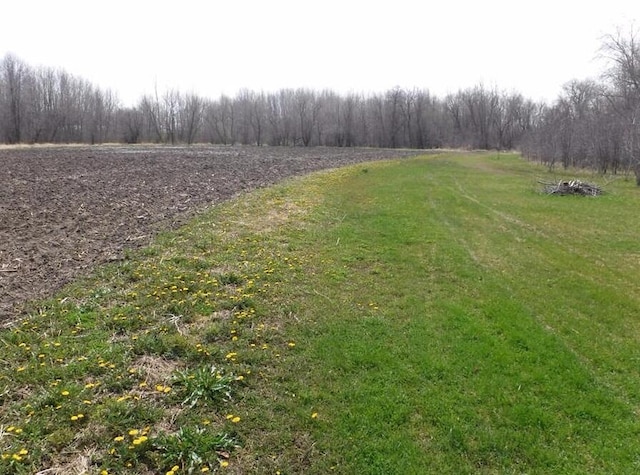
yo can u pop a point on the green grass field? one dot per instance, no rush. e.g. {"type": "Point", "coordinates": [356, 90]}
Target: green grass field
{"type": "Point", "coordinates": [428, 315]}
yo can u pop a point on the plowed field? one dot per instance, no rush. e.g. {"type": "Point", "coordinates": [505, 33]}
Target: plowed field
{"type": "Point", "coordinates": [64, 210]}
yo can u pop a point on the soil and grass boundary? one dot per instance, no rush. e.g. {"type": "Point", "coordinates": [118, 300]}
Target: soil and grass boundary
{"type": "Point", "coordinates": [426, 315]}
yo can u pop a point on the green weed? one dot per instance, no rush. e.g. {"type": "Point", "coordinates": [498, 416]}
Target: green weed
{"type": "Point", "coordinates": [204, 384]}
{"type": "Point", "coordinates": [194, 449]}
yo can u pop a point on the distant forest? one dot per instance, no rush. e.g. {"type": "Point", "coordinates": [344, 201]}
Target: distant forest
{"type": "Point", "coordinates": [593, 123]}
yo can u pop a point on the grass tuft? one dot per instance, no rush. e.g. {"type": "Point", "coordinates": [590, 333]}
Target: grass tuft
{"type": "Point", "coordinates": [204, 385]}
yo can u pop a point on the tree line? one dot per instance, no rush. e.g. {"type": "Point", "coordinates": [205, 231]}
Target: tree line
{"type": "Point", "coordinates": [45, 105]}
{"type": "Point", "coordinates": [593, 123]}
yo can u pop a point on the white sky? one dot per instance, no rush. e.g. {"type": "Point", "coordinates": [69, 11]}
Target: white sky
{"type": "Point", "coordinates": [213, 47]}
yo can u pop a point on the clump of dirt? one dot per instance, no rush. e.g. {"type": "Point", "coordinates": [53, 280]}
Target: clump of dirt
{"type": "Point", "coordinates": [65, 210]}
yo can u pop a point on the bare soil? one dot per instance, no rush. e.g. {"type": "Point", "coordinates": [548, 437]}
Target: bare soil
{"type": "Point", "coordinates": [65, 210]}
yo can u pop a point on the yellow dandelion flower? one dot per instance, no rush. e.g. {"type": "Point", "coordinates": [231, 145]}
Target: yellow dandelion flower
{"type": "Point", "coordinates": [134, 432]}
{"type": "Point", "coordinates": [120, 438]}
{"type": "Point", "coordinates": [65, 393]}
{"type": "Point", "coordinates": [23, 452]}
{"type": "Point", "coordinates": [204, 469]}
{"type": "Point", "coordinates": [314, 415]}
{"type": "Point", "coordinates": [224, 463]}
{"type": "Point", "coordinates": [140, 440]}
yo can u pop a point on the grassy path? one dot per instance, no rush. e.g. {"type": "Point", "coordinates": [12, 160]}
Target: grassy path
{"type": "Point", "coordinates": [430, 315]}
{"type": "Point", "coordinates": [463, 323]}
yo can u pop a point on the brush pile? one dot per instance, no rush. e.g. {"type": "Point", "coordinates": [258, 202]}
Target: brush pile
{"type": "Point", "coordinates": [573, 187]}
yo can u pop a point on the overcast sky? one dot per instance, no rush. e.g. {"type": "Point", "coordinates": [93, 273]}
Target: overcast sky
{"type": "Point", "coordinates": [213, 47]}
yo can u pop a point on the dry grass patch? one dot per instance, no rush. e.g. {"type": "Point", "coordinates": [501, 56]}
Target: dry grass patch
{"type": "Point", "coordinates": [273, 214]}
{"type": "Point", "coordinates": [155, 369]}
{"type": "Point", "coordinates": [74, 464]}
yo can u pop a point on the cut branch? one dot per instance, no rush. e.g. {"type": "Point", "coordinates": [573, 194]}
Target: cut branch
{"type": "Point", "coordinates": [572, 187]}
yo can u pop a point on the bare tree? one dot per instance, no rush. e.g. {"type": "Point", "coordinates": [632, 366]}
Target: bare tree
{"type": "Point", "coordinates": [349, 118]}
{"type": "Point", "coordinates": [47, 106]}
{"type": "Point", "coordinates": [13, 72]}
{"type": "Point", "coordinates": [394, 102]}
{"type": "Point", "coordinates": [257, 117]}
{"type": "Point", "coordinates": [191, 117]}
{"type": "Point", "coordinates": [623, 76]}
{"type": "Point", "coordinates": [225, 120]}
{"type": "Point", "coordinates": [307, 108]}
{"type": "Point", "coordinates": [278, 119]}
{"type": "Point", "coordinates": [152, 112]}
{"type": "Point", "coordinates": [171, 101]}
